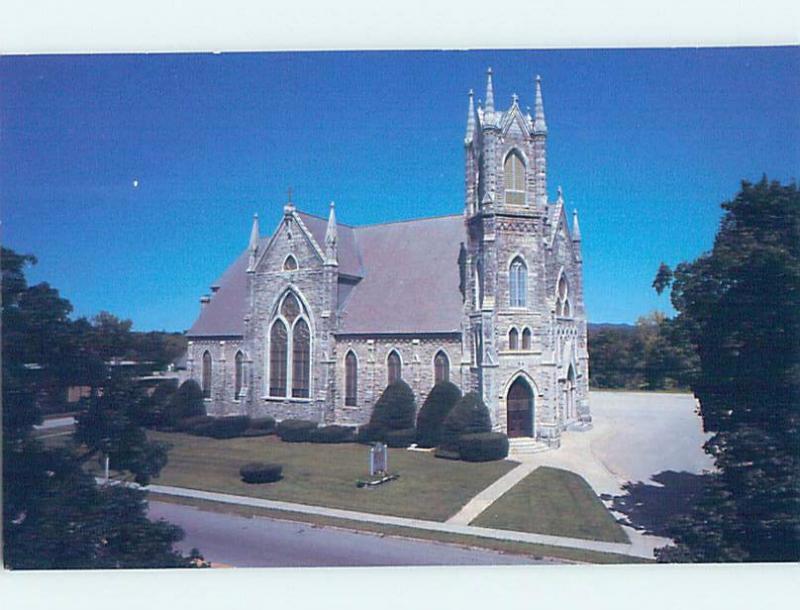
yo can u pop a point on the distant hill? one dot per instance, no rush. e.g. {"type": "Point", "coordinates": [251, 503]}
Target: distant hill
{"type": "Point", "coordinates": [595, 327]}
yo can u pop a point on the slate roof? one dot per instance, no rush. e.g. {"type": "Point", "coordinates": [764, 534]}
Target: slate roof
{"type": "Point", "coordinates": [407, 279]}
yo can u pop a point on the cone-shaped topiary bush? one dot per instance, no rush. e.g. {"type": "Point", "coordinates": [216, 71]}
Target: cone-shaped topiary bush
{"type": "Point", "coordinates": [187, 401]}
{"type": "Point", "coordinates": [483, 447]}
{"type": "Point", "coordinates": [441, 399]}
{"type": "Point", "coordinates": [395, 410]}
{"type": "Point", "coordinates": [469, 416]}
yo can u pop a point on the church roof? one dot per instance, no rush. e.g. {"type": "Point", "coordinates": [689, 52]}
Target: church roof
{"type": "Point", "coordinates": [409, 279]}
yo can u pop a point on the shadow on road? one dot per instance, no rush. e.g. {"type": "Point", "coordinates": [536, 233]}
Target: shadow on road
{"type": "Point", "coordinates": [650, 508]}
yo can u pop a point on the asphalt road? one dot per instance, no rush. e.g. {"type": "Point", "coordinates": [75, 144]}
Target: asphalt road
{"type": "Point", "coordinates": [261, 542]}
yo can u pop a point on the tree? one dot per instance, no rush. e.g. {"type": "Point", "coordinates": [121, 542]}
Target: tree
{"type": "Point", "coordinates": [440, 400]}
{"type": "Point", "coordinates": [394, 410]}
{"type": "Point", "coordinates": [469, 416]}
{"type": "Point", "coordinates": [740, 304]}
{"type": "Point", "coordinates": [54, 513]}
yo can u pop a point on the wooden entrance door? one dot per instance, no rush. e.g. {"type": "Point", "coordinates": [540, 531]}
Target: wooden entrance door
{"type": "Point", "coordinates": [519, 405]}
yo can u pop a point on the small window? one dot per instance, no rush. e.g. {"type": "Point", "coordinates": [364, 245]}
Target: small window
{"type": "Point", "coordinates": [526, 339]}
{"type": "Point", "coordinates": [441, 368]}
{"type": "Point", "coordinates": [290, 264]}
{"type": "Point", "coordinates": [394, 367]}
{"type": "Point", "coordinates": [237, 375]}
{"type": "Point", "coordinates": [206, 375]}
{"type": "Point", "coordinates": [350, 380]}
{"type": "Point", "coordinates": [567, 309]}
{"type": "Point", "coordinates": [513, 339]}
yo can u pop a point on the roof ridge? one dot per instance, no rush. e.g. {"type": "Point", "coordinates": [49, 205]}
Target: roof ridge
{"type": "Point", "coordinates": [379, 224]}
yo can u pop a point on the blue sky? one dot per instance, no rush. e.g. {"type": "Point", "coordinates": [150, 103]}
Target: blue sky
{"type": "Point", "coordinates": [646, 143]}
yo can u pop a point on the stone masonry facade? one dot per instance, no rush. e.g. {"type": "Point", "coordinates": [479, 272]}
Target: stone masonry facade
{"type": "Point", "coordinates": [512, 327]}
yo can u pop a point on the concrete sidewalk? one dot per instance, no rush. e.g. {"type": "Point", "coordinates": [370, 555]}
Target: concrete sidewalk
{"type": "Point", "coordinates": [450, 528]}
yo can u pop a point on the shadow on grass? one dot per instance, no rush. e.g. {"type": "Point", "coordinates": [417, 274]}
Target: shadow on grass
{"type": "Point", "coordinates": [651, 508]}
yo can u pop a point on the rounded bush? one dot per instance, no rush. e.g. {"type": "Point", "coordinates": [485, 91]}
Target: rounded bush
{"type": "Point", "coordinates": [226, 427]}
{"type": "Point", "coordinates": [332, 434]}
{"type": "Point", "coordinates": [260, 472]}
{"type": "Point", "coordinates": [295, 430]}
{"type": "Point", "coordinates": [439, 402]}
{"type": "Point", "coordinates": [446, 454]}
{"type": "Point", "coordinates": [401, 438]}
{"type": "Point", "coordinates": [187, 401]}
{"type": "Point", "coordinates": [255, 432]}
{"type": "Point", "coordinates": [263, 423]}
{"type": "Point", "coordinates": [483, 446]}
{"type": "Point", "coordinates": [367, 434]}
{"type": "Point", "coordinates": [469, 416]}
{"type": "Point", "coordinates": [394, 410]}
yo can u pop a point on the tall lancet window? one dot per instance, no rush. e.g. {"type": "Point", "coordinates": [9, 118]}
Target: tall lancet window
{"type": "Point", "coordinates": [206, 375]}
{"type": "Point", "coordinates": [394, 366]}
{"type": "Point", "coordinates": [350, 380]}
{"type": "Point", "coordinates": [518, 283]}
{"type": "Point", "coordinates": [278, 350]}
{"type": "Point", "coordinates": [514, 172]}
{"type": "Point", "coordinates": [237, 375]}
{"type": "Point", "coordinates": [441, 367]}
{"type": "Point", "coordinates": [301, 359]}
{"type": "Point", "coordinates": [290, 350]}
{"type": "Point", "coordinates": [563, 307]}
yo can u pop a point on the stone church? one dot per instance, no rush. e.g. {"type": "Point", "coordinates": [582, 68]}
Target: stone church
{"type": "Point", "coordinates": [316, 319]}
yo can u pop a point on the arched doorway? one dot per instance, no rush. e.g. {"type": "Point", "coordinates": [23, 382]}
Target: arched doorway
{"type": "Point", "coordinates": [519, 406]}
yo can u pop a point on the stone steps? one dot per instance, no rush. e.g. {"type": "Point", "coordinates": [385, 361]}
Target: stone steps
{"type": "Point", "coordinates": [525, 446]}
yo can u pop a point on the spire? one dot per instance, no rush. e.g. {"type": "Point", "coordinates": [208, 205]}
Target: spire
{"type": "Point", "coordinates": [330, 233]}
{"type": "Point", "coordinates": [539, 125]}
{"type": "Point", "coordinates": [576, 230]}
{"type": "Point", "coordinates": [255, 234]}
{"type": "Point", "coordinates": [560, 198]}
{"type": "Point", "coordinates": [489, 105]}
{"type": "Point", "coordinates": [470, 120]}
{"type": "Point", "coordinates": [330, 237]}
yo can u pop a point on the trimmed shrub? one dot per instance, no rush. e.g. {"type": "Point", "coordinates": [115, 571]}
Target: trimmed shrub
{"type": "Point", "coordinates": [469, 416]}
{"type": "Point", "coordinates": [368, 434]}
{"type": "Point", "coordinates": [260, 472]}
{"type": "Point", "coordinates": [295, 430]}
{"type": "Point", "coordinates": [189, 424]}
{"type": "Point", "coordinates": [439, 402]}
{"type": "Point", "coordinates": [446, 454]}
{"type": "Point", "coordinates": [394, 410]}
{"type": "Point", "coordinates": [332, 434]}
{"type": "Point", "coordinates": [187, 401]}
{"type": "Point", "coordinates": [483, 446]}
{"type": "Point", "coordinates": [150, 414]}
{"type": "Point", "coordinates": [263, 423]}
{"type": "Point", "coordinates": [225, 427]}
{"type": "Point", "coordinates": [401, 438]}
{"type": "Point", "coordinates": [254, 432]}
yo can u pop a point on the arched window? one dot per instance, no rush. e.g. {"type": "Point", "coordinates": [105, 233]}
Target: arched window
{"type": "Point", "coordinates": [301, 359]}
{"type": "Point", "coordinates": [441, 367]}
{"type": "Point", "coordinates": [350, 380]}
{"type": "Point", "coordinates": [518, 282]}
{"type": "Point", "coordinates": [514, 171]}
{"type": "Point", "coordinates": [394, 367]}
{"type": "Point", "coordinates": [237, 375]}
{"type": "Point", "coordinates": [526, 339]}
{"type": "Point", "coordinates": [206, 375]}
{"type": "Point", "coordinates": [563, 307]}
{"type": "Point", "coordinates": [513, 339]}
{"type": "Point", "coordinates": [290, 264]}
{"type": "Point", "coordinates": [278, 351]}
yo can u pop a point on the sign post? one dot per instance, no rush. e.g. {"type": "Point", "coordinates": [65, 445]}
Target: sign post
{"type": "Point", "coordinates": [378, 459]}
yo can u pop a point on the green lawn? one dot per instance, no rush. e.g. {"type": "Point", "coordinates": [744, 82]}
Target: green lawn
{"type": "Point", "coordinates": [554, 502]}
{"type": "Point", "coordinates": [428, 488]}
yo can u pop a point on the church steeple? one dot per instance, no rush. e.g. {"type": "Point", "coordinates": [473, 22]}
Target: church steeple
{"type": "Point", "coordinates": [470, 120]}
{"type": "Point", "coordinates": [539, 124]}
{"type": "Point", "coordinates": [488, 107]}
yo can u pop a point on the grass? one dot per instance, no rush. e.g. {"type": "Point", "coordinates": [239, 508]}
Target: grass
{"type": "Point", "coordinates": [554, 502]}
{"type": "Point", "coordinates": [325, 475]}
{"type": "Point", "coordinates": [516, 548]}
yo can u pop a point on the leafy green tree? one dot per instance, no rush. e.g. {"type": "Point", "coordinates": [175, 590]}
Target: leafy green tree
{"type": "Point", "coordinates": [740, 303]}
{"type": "Point", "coordinates": [54, 513]}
